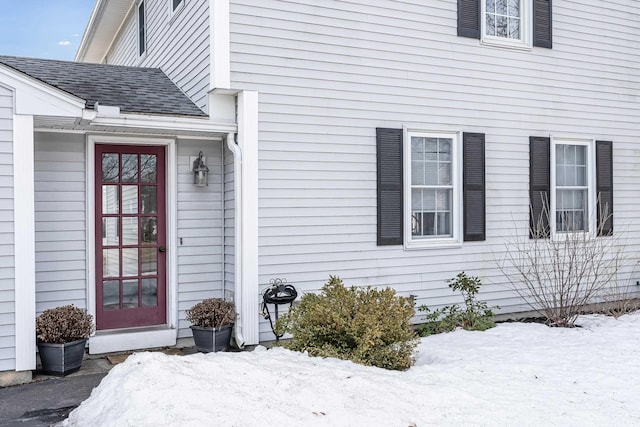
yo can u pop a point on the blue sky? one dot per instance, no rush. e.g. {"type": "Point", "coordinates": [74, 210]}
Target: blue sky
{"type": "Point", "coordinates": [43, 28]}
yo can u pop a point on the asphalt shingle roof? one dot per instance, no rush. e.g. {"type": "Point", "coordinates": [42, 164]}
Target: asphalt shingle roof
{"type": "Point", "coordinates": [133, 89]}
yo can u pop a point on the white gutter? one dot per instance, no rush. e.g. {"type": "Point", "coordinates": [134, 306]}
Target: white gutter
{"type": "Point", "coordinates": [184, 124]}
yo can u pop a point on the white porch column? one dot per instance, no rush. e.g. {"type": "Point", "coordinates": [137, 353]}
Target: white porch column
{"type": "Point", "coordinates": [24, 242]}
{"type": "Point", "coordinates": [248, 215]}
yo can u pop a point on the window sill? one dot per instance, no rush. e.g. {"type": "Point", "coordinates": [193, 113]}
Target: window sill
{"type": "Point", "coordinates": [505, 43]}
{"type": "Point", "coordinates": [432, 244]}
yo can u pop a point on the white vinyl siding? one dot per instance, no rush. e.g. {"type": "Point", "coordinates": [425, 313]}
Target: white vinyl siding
{"type": "Point", "coordinates": [7, 274]}
{"type": "Point", "coordinates": [200, 229]}
{"type": "Point", "coordinates": [60, 206]}
{"type": "Point", "coordinates": [330, 72]}
{"type": "Point", "coordinates": [229, 221]}
{"type": "Point", "coordinates": [179, 45]}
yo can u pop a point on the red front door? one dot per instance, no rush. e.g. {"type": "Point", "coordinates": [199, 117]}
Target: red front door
{"type": "Point", "coordinates": [130, 236]}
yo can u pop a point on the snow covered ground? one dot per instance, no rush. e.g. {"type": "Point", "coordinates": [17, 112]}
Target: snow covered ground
{"type": "Point", "coordinates": [515, 374]}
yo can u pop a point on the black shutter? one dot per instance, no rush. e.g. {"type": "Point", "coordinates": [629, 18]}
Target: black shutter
{"type": "Point", "coordinates": [542, 24]}
{"type": "Point", "coordinates": [473, 186]}
{"type": "Point", "coordinates": [390, 206]}
{"type": "Point", "coordinates": [539, 186]}
{"type": "Point", "coordinates": [469, 18]}
{"type": "Point", "coordinates": [604, 187]}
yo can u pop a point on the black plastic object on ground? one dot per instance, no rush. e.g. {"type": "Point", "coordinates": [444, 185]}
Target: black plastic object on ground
{"type": "Point", "coordinates": [278, 293]}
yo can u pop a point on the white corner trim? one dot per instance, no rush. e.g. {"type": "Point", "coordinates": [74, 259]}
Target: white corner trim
{"type": "Point", "coordinates": [24, 242]}
{"type": "Point", "coordinates": [172, 221]}
{"type": "Point", "coordinates": [247, 215]}
{"type": "Point", "coordinates": [219, 45]}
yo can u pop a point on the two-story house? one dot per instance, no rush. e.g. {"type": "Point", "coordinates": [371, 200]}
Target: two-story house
{"type": "Point", "coordinates": [389, 143]}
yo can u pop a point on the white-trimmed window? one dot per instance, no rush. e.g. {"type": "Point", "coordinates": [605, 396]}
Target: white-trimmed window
{"type": "Point", "coordinates": [142, 29]}
{"type": "Point", "coordinates": [432, 188]}
{"type": "Point", "coordinates": [506, 22]}
{"type": "Point", "coordinates": [175, 6]}
{"type": "Point", "coordinates": [572, 186]}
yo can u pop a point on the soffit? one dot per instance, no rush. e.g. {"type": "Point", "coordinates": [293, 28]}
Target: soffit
{"type": "Point", "coordinates": [105, 21]}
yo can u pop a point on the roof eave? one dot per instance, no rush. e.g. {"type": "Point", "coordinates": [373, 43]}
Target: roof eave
{"type": "Point", "coordinates": [104, 24]}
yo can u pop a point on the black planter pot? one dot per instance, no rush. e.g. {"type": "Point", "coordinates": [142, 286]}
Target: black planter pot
{"type": "Point", "coordinates": [61, 359]}
{"type": "Point", "coordinates": [209, 340]}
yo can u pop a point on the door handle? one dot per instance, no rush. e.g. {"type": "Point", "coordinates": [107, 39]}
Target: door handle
{"type": "Point", "coordinates": [162, 249]}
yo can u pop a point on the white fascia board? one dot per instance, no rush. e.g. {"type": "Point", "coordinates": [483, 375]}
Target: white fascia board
{"type": "Point", "coordinates": [177, 124]}
{"type": "Point", "coordinates": [24, 242]}
{"type": "Point", "coordinates": [33, 97]}
{"type": "Point", "coordinates": [219, 45]}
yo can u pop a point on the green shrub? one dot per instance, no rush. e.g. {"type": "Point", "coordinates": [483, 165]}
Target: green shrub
{"type": "Point", "coordinates": [365, 325]}
{"type": "Point", "coordinates": [475, 316]}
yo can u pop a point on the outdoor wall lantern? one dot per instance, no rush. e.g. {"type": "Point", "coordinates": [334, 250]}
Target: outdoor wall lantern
{"type": "Point", "coordinates": [200, 172]}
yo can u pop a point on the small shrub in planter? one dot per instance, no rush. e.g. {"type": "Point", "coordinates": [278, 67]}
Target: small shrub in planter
{"type": "Point", "coordinates": [62, 333]}
{"type": "Point", "coordinates": [211, 323]}
{"type": "Point", "coordinates": [365, 325]}
{"type": "Point", "coordinates": [476, 315]}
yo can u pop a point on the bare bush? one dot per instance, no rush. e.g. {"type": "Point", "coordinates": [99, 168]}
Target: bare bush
{"type": "Point", "coordinates": [558, 275]}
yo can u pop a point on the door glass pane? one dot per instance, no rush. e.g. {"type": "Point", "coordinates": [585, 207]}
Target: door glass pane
{"type": "Point", "coordinates": [109, 199]}
{"type": "Point", "coordinates": [149, 199]}
{"type": "Point", "coordinates": [149, 230]}
{"type": "Point", "coordinates": [130, 293]}
{"type": "Point", "coordinates": [130, 262]}
{"type": "Point", "coordinates": [149, 261]}
{"type": "Point", "coordinates": [148, 171]}
{"type": "Point", "coordinates": [110, 263]}
{"type": "Point", "coordinates": [109, 231]}
{"type": "Point", "coordinates": [129, 199]}
{"type": "Point", "coordinates": [110, 167]}
{"type": "Point", "coordinates": [149, 292]}
{"type": "Point", "coordinates": [130, 230]}
{"type": "Point", "coordinates": [110, 294]}
{"type": "Point", "coordinates": [129, 168]}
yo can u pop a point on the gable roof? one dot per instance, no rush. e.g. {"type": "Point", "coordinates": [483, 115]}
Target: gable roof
{"type": "Point", "coordinates": [133, 89]}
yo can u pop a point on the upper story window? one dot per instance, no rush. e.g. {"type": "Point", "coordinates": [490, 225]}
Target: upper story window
{"type": "Point", "coordinates": [176, 5]}
{"type": "Point", "coordinates": [507, 23]}
{"type": "Point", "coordinates": [142, 29]}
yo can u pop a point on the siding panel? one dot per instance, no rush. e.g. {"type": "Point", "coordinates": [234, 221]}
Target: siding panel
{"type": "Point", "coordinates": [7, 273]}
{"type": "Point", "coordinates": [60, 220]}
{"type": "Point", "coordinates": [329, 72]}
{"type": "Point", "coordinates": [200, 229]}
{"type": "Point", "coordinates": [179, 45]}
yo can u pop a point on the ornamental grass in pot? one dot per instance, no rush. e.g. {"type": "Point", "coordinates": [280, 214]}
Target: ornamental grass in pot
{"type": "Point", "coordinates": [212, 320]}
{"type": "Point", "coordinates": [62, 334]}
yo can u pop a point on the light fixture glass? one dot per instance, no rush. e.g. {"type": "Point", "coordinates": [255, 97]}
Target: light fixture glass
{"type": "Point", "coordinates": [200, 172]}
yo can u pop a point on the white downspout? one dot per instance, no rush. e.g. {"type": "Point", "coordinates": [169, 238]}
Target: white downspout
{"type": "Point", "coordinates": [237, 184]}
